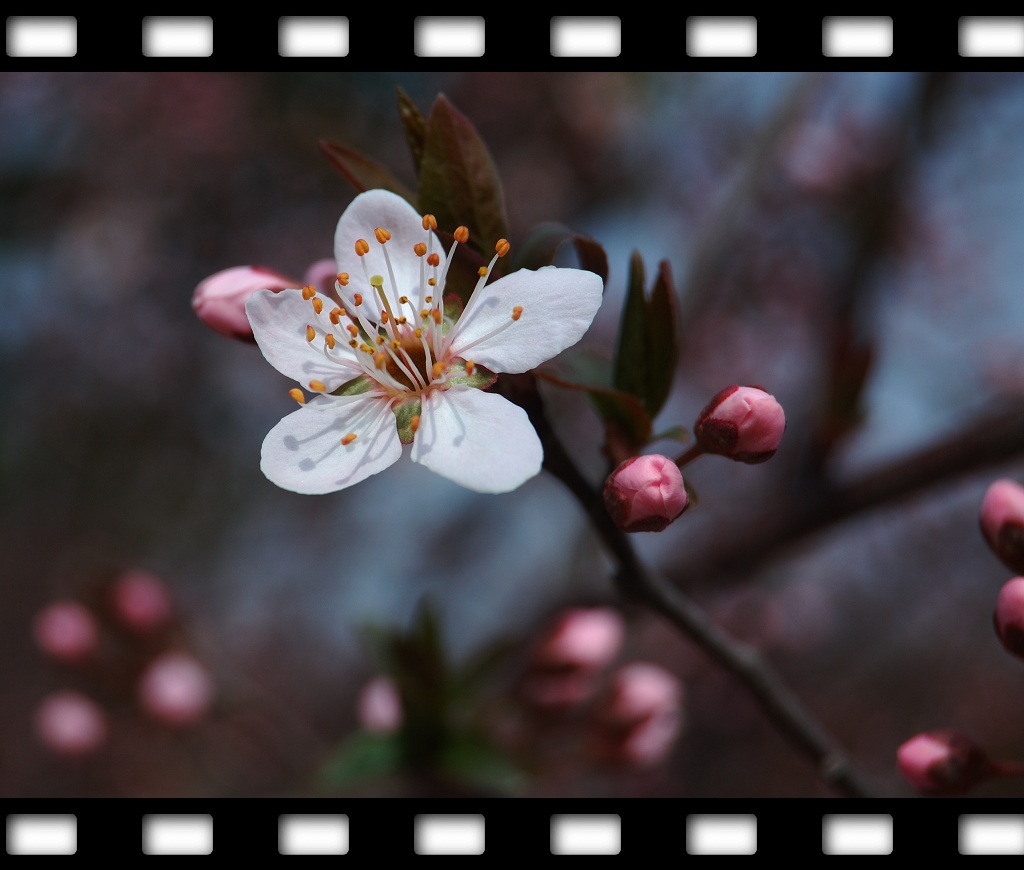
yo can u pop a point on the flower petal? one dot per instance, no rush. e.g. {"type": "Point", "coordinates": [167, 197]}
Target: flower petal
{"type": "Point", "coordinates": [558, 307]}
{"type": "Point", "coordinates": [381, 208]}
{"type": "Point", "coordinates": [279, 322]}
{"type": "Point", "coordinates": [304, 452]}
{"type": "Point", "coordinates": [478, 440]}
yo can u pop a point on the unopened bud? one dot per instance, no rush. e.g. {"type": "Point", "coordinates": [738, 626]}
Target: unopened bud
{"type": "Point", "coordinates": [219, 301]}
{"type": "Point", "coordinates": [66, 631]}
{"type": "Point", "coordinates": [943, 763]}
{"type": "Point", "coordinates": [176, 689]}
{"type": "Point", "coordinates": [380, 706]}
{"type": "Point", "coordinates": [645, 493]}
{"type": "Point", "coordinates": [69, 723]}
{"type": "Point", "coordinates": [1009, 616]}
{"type": "Point", "coordinates": [743, 423]}
{"type": "Point", "coordinates": [1002, 522]}
{"type": "Point", "coordinates": [141, 601]}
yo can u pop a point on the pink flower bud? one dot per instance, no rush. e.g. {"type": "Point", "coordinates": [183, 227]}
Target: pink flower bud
{"type": "Point", "coordinates": [65, 630]}
{"type": "Point", "coordinates": [220, 299]}
{"type": "Point", "coordinates": [583, 638]}
{"type": "Point", "coordinates": [645, 493]}
{"type": "Point", "coordinates": [70, 723]}
{"type": "Point", "coordinates": [1009, 616]}
{"type": "Point", "coordinates": [176, 689]}
{"type": "Point", "coordinates": [743, 423]}
{"type": "Point", "coordinates": [141, 601]}
{"type": "Point", "coordinates": [1002, 522]}
{"type": "Point", "coordinates": [380, 706]}
{"type": "Point", "coordinates": [943, 762]}
{"type": "Point", "coordinates": [641, 718]}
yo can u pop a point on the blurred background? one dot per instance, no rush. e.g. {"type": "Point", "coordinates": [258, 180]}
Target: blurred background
{"type": "Point", "coordinates": [850, 241]}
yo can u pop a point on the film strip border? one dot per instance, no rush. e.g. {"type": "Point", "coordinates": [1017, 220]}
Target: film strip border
{"type": "Point", "coordinates": [640, 40]}
{"type": "Point", "coordinates": [375, 830]}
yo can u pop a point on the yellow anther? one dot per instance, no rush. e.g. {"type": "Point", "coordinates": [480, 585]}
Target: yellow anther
{"type": "Point", "coordinates": [414, 423]}
{"type": "Point", "coordinates": [348, 439]}
{"type": "Point", "coordinates": [380, 359]}
{"type": "Point", "coordinates": [318, 304]}
{"type": "Point", "coordinates": [433, 260]}
{"type": "Point", "coordinates": [308, 292]}
{"type": "Point", "coordinates": [425, 313]}
{"type": "Point", "coordinates": [438, 369]}
{"type": "Point", "coordinates": [429, 222]}
{"type": "Point", "coordinates": [432, 282]}
{"type": "Point", "coordinates": [482, 271]}
{"type": "Point", "coordinates": [403, 300]}
{"type": "Point", "coordinates": [329, 341]}
{"type": "Point", "coordinates": [383, 317]}
{"type": "Point", "coordinates": [382, 235]}
{"type": "Point", "coordinates": [461, 235]}
{"type": "Point", "coordinates": [436, 314]}
{"type": "Point", "coordinates": [396, 345]}
{"type": "Point", "coordinates": [517, 312]}
{"type": "Point", "coordinates": [418, 332]}
{"type": "Point", "coordinates": [335, 315]}
{"type": "Point", "coordinates": [357, 298]}
{"type": "Point", "coordinates": [318, 386]}
{"type": "Point", "coordinates": [343, 279]}
{"type": "Point", "coordinates": [502, 247]}
{"type": "Point", "coordinates": [470, 367]}
{"type": "Point", "coordinates": [353, 343]}
{"type": "Point", "coordinates": [352, 329]}
{"type": "Point", "coordinates": [381, 339]}
{"type": "Point", "coordinates": [401, 321]}
{"type": "Point", "coordinates": [365, 348]}
{"type": "Point", "coordinates": [419, 249]}
{"type": "Point", "coordinates": [429, 299]}
{"type": "Point", "coordinates": [298, 395]}
{"type": "Point", "coordinates": [362, 247]}
{"type": "Point", "coordinates": [310, 333]}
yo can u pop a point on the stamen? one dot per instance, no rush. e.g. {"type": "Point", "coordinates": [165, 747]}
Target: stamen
{"type": "Point", "coordinates": [382, 235]}
{"type": "Point", "coordinates": [470, 367]}
{"type": "Point", "coordinates": [517, 312]}
{"type": "Point", "coordinates": [308, 292]}
{"type": "Point", "coordinates": [384, 317]}
{"type": "Point", "coordinates": [362, 247]}
{"type": "Point", "coordinates": [461, 235]}
{"type": "Point", "coordinates": [429, 222]}
{"type": "Point", "coordinates": [433, 283]}
{"type": "Point", "coordinates": [403, 300]}
{"type": "Point", "coordinates": [414, 423]}
{"type": "Point", "coordinates": [335, 316]}
{"type": "Point", "coordinates": [348, 439]}
{"type": "Point", "coordinates": [433, 260]}
{"type": "Point", "coordinates": [310, 333]}
{"type": "Point", "coordinates": [482, 271]}
{"type": "Point", "coordinates": [352, 329]}
{"type": "Point", "coordinates": [380, 339]}
{"type": "Point", "coordinates": [435, 313]}
{"type": "Point", "coordinates": [437, 369]}
{"type": "Point", "coordinates": [353, 343]}
{"type": "Point", "coordinates": [380, 359]}
{"type": "Point", "coordinates": [429, 299]}
{"type": "Point", "coordinates": [420, 249]}
{"type": "Point", "coordinates": [317, 386]}
{"type": "Point", "coordinates": [358, 298]}
{"type": "Point", "coordinates": [502, 247]}
{"type": "Point", "coordinates": [343, 279]}
{"type": "Point", "coordinates": [329, 341]}
{"type": "Point", "coordinates": [298, 395]}
{"type": "Point", "coordinates": [318, 304]}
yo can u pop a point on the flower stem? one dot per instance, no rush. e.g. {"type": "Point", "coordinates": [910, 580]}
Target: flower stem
{"type": "Point", "coordinates": [637, 581]}
{"type": "Point", "coordinates": [692, 452]}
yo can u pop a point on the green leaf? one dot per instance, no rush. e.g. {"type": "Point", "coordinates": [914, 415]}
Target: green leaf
{"type": "Point", "coordinates": [542, 245]}
{"type": "Point", "coordinates": [403, 416]}
{"type": "Point", "coordinates": [415, 125]}
{"type": "Point", "coordinates": [673, 433]}
{"type": "Point", "coordinates": [365, 757]}
{"type": "Point", "coordinates": [648, 346]}
{"type": "Point", "coordinates": [362, 172]}
{"type": "Point", "coordinates": [471, 760]}
{"type": "Point", "coordinates": [662, 340]}
{"type": "Point", "coordinates": [459, 184]}
{"type": "Point", "coordinates": [357, 386]}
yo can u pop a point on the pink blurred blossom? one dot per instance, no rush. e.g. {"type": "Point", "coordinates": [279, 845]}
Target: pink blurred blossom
{"type": "Point", "coordinates": [69, 723]}
{"type": "Point", "coordinates": [65, 630]}
{"type": "Point", "coordinates": [380, 706]}
{"type": "Point", "coordinates": [743, 423]}
{"type": "Point", "coordinates": [176, 689]}
{"type": "Point", "coordinates": [322, 274]}
{"type": "Point", "coordinates": [641, 690]}
{"type": "Point", "coordinates": [141, 601]}
{"type": "Point", "coordinates": [583, 638]}
{"type": "Point", "coordinates": [1009, 616]}
{"type": "Point", "coordinates": [943, 762]}
{"type": "Point", "coordinates": [219, 300]}
{"type": "Point", "coordinates": [1002, 522]}
{"type": "Point", "coordinates": [645, 493]}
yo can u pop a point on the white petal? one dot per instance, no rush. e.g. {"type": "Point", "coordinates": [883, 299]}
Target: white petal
{"type": "Point", "coordinates": [558, 307]}
{"type": "Point", "coordinates": [381, 208]}
{"type": "Point", "coordinates": [304, 453]}
{"type": "Point", "coordinates": [279, 322]}
{"type": "Point", "coordinates": [479, 440]}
